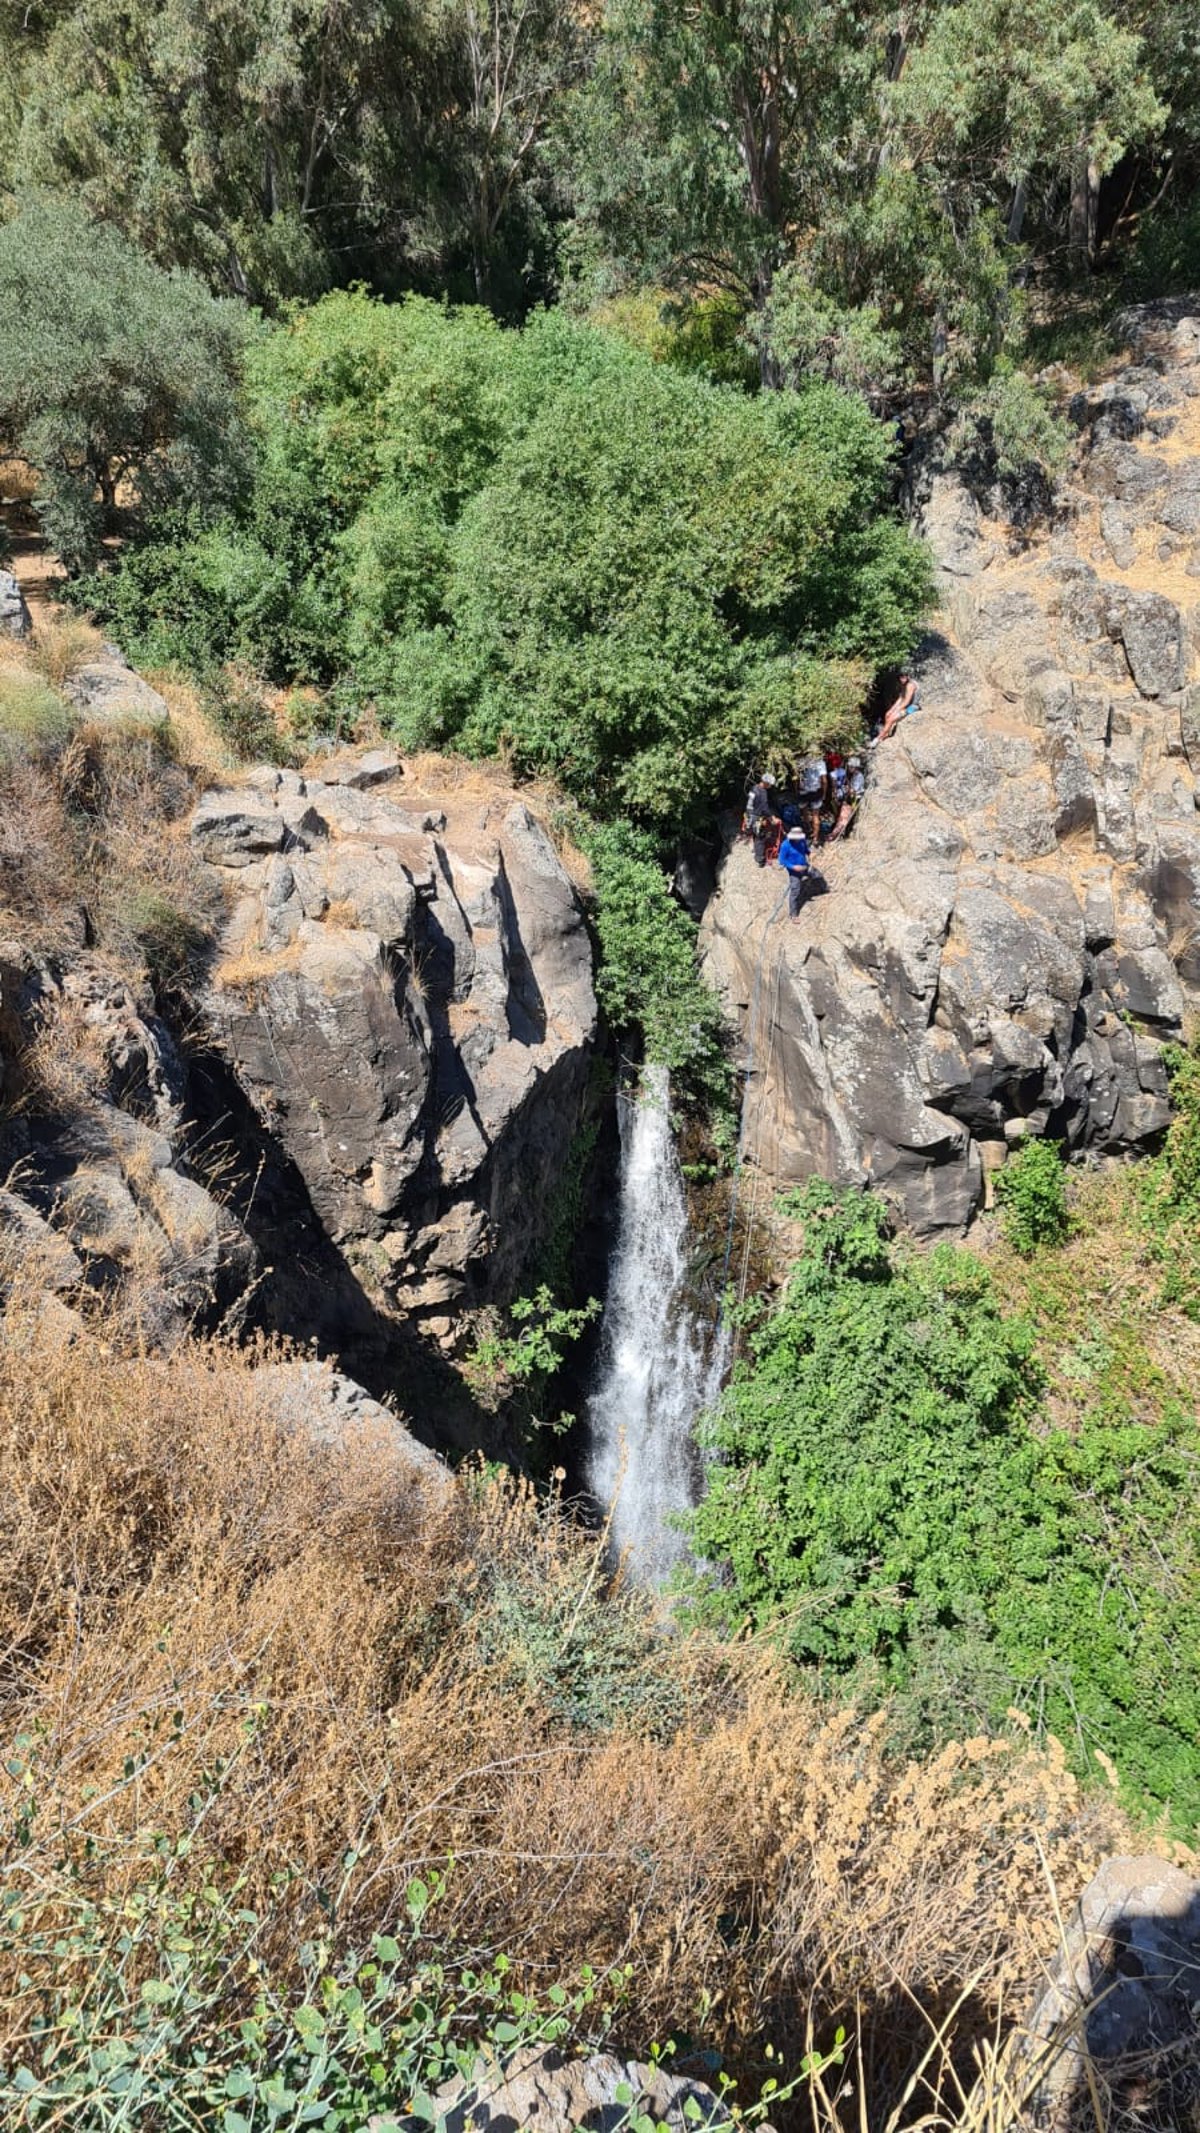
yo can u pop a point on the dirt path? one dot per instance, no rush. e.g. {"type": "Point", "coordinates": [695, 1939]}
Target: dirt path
{"type": "Point", "coordinates": [38, 572]}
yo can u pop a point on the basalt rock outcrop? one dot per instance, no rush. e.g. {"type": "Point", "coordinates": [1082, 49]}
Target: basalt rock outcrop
{"type": "Point", "coordinates": [1013, 930]}
{"type": "Point", "coordinates": [1118, 2012]}
{"type": "Point", "coordinates": [403, 990]}
{"type": "Point", "coordinates": [101, 1197]}
{"type": "Point", "coordinates": [542, 2090]}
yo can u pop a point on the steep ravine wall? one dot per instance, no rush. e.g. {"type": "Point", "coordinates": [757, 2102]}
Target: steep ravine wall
{"type": "Point", "coordinates": [355, 1126]}
{"type": "Point", "coordinates": [1013, 930]}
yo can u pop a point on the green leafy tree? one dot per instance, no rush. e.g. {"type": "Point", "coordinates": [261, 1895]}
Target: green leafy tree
{"type": "Point", "coordinates": [705, 134]}
{"type": "Point", "coordinates": [510, 63]}
{"type": "Point", "coordinates": [113, 374]}
{"type": "Point", "coordinates": [249, 144]}
{"type": "Point", "coordinates": [1003, 96]}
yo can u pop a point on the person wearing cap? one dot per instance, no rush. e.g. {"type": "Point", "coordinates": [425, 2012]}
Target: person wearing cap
{"type": "Point", "coordinates": [758, 819]}
{"type": "Point", "coordinates": [854, 786]}
{"type": "Point", "coordinates": [793, 855]}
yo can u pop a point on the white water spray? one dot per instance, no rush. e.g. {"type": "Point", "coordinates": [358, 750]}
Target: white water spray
{"type": "Point", "coordinates": [657, 1370]}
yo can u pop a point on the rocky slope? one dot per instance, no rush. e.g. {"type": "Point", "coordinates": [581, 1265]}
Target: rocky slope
{"type": "Point", "coordinates": [1014, 928]}
{"type": "Point", "coordinates": [404, 990]}
{"type": "Point", "coordinates": [351, 1124]}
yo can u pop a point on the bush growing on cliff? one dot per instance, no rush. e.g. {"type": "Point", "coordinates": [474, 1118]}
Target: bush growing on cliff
{"type": "Point", "coordinates": [885, 1504]}
{"type": "Point", "coordinates": [1170, 1195]}
{"type": "Point", "coordinates": [648, 981]}
{"type": "Point", "coordinates": [544, 544]}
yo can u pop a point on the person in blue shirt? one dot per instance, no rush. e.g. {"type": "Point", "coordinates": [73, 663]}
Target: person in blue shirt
{"type": "Point", "coordinates": [793, 854]}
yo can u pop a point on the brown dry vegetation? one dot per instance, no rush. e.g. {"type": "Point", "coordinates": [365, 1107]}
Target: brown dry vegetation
{"type": "Point", "coordinates": [210, 1625]}
{"type": "Point", "coordinates": [95, 865]}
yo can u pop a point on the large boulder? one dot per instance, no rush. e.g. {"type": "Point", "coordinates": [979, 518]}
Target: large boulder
{"type": "Point", "coordinates": [1118, 2012]}
{"type": "Point", "coordinates": [15, 618]}
{"type": "Point", "coordinates": [1013, 930]}
{"type": "Point", "coordinates": [541, 2090]}
{"type": "Point", "coordinates": [103, 1198]}
{"type": "Point", "coordinates": [312, 1396]}
{"type": "Point", "coordinates": [404, 990]}
{"type": "Point", "coordinates": [106, 690]}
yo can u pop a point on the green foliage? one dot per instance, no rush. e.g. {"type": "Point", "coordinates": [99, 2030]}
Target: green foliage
{"type": "Point", "coordinates": [161, 2010]}
{"type": "Point", "coordinates": [502, 1366]}
{"type": "Point", "coordinates": [241, 715]}
{"type": "Point", "coordinates": [588, 1656]}
{"type": "Point", "coordinates": [168, 937]}
{"type": "Point", "coordinates": [1014, 422]}
{"type": "Point", "coordinates": [34, 720]}
{"type": "Point", "coordinates": [883, 1504]}
{"type": "Point", "coordinates": [705, 333]}
{"type": "Point", "coordinates": [877, 1388]}
{"type": "Point", "coordinates": [1166, 258]}
{"type": "Point", "coordinates": [545, 545]}
{"type": "Point", "coordinates": [1005, 88]}
{"type": "Point", "coordinates": [806, 331]}
{"type": "Point", "coordinates": [1170, 1187]}
{"type": "Point", "coordinates": [112, 373]}
{"type": "Point", "coordinates": [648, 979]}
{"type": "Point", "coordinates": [1032, 1194]}
{"type": "Point", "coordinates": [276, 151]}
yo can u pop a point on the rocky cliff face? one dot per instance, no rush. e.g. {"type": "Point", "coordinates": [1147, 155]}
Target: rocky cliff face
{"type": "Point", "coordinates": [404, 990]}
{"type": "Point", "coordinates": [350, 1124]}
{"type": "Point", "coordinates": [1014, 927]}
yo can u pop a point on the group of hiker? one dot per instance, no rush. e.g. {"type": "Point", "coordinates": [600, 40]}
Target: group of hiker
{"type": "Point", "coordinates": [787, 824]}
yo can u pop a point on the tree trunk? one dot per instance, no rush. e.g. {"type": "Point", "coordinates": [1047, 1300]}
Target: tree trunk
{"type": "Point", "coordinates": [1016, 213]}
{"type": "Point", "coordinates": [939, 339]}
{"type": "Point", "coordinates": [1085, 202]}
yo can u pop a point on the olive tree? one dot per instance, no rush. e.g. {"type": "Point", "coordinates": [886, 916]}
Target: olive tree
{"type": "Point", "coordinates": [117, 379]}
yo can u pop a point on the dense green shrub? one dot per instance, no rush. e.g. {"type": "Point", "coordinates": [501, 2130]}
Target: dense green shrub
{"type": "Point", "coordinates": [884, 1504]}
{"type": "Point", "coordinates": [544, 544]}
{"type": "Point", "coordinates": [1031, 1191]}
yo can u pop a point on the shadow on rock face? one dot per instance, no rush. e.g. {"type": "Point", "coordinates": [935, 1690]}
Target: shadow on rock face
{"type": "Point", "coordinates": [1118, 2018]}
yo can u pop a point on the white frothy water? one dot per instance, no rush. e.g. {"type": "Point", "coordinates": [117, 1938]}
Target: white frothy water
{"type": "Point", "coordinates": [657, 1370]}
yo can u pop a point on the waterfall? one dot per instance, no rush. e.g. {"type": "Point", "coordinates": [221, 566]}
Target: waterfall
{"type": "Point", "coordinates": [657, 1369]}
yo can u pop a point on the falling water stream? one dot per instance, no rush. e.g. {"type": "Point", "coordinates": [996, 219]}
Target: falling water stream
{"type": "Point", "coordinates": [659, 1366]}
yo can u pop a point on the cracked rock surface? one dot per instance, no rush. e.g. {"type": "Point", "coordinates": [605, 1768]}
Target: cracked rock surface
{"type": "Point", "coordinates": [404, 991]}
{"type": "Point", "coordinates": [1014, 927]}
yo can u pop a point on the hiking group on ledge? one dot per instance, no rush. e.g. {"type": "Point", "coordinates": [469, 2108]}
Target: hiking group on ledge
{"type": "Point", "coordinates": [786, 827]}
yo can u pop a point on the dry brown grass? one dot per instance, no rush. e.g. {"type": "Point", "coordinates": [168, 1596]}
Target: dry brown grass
{"type": "Point", "coordinates": [61, 644]}
{"type": "Point", "coordinates": [197, 743]}
{"type": "Point", "coordinates": [198, 1605]}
